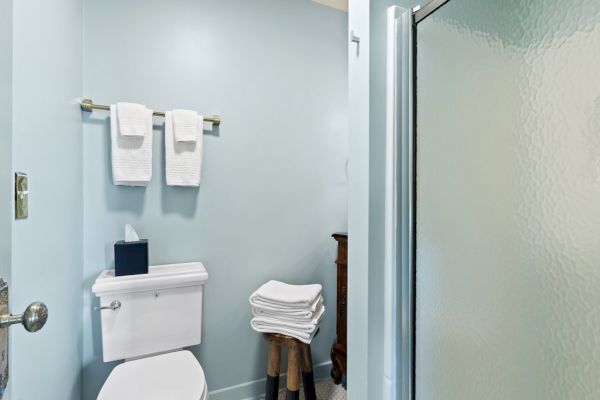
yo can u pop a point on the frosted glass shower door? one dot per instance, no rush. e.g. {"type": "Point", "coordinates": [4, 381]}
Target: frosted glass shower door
{"type": "Point", "coordinates": [508, 201]}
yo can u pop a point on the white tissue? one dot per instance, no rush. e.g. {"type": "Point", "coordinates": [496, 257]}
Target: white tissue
{"type": "Point", "coordinates": [130, 234]}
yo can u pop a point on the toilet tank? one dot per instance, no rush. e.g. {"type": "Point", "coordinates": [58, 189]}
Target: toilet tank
{"type": "Point", "coordinates": [159, 311]}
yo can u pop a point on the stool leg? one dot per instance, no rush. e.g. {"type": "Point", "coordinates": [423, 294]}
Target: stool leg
{"type": "Point", "coordinates": [308, 378]}
{"type": "Point", "coordinates": [272, 391]}
{"type": "Point", "coordinates": [293, 372]}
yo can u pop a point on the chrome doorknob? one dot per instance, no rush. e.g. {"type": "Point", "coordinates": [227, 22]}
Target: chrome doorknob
{"type": "Point", "coordinates": [33, 319]}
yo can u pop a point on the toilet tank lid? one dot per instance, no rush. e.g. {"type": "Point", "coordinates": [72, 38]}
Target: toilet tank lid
{"type": "Point", "coordinates": [158, 277]}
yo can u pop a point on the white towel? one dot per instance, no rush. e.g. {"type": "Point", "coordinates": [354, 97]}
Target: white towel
{"type": "Point", "coordinates": [261, 326]}
{"type": "Point", "coordinates": [131, 155]}
{"type": "Point", "coordinates": [279, 294]}
{"type": "Point", "coordinates": [287, 312]}
{"type": "Point", "coordinates": [183, 159]}
{"type": "Point", "coordinates": [310, 321]}
{"type": "Point", "coordinates": [306, 328]}
{"type": "Point", "coordinates": [187, 125]}
{"type": "Point", "coordinates": [132, 119]}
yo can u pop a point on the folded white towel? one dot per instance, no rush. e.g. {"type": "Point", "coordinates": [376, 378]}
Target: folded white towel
{"type": "Point", "coordinates": [302, 314]}
{"type": "Point", "coordinates": [187, 127]}
{"type": "Point", "coordinates": [183, 159]}
{"type": "Point", "coordinates": [285, 308]}
{"type": "Point", "coordinates": [132, 119]}
{"type": "Point", "coordinates": [260, 326]}
{"type": "Point", "coordinates": [131, 155]}
{"type": "Point", "coordinates": [277, 324]}
{"type": "Point", "coordinates": [304, 324]}
{"type": "Point", "coordinates": [279, 294]}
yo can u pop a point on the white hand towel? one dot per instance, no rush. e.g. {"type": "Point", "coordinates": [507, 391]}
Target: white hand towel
{"type": "Point", "coordinates": [305, 337]}
{"type": "Point", "coordinates": [132, 119]}
{"type": "Point", "coordinates": [131, 155]}
{"type": "Point", "coordinates": [299, 313]}
{"type": "Point", "coordinates": [278, 294]}
{"type": "Point", "coordinates": [187, 127]}
{"type": "Point", "coordinates": [183, 159]}
{"type": "Point", "coordinates": [310, 321]}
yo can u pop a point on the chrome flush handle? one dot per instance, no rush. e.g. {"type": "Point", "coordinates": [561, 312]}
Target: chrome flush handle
{"type": "Point", "coordinates": [33, 319]}
{"type": "Point", "coordinates": [114, 305]}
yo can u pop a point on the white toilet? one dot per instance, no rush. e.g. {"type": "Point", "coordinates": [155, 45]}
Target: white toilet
{"type": "Point", "coordinates": [147, 320]}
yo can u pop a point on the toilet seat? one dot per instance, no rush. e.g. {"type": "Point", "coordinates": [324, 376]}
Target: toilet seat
{"type": "Point", "coordinates": [177, 375]}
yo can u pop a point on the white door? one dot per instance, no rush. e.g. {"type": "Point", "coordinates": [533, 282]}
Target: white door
{"type": "Point", "coordinates": [5, 147]}
{"type": "Point", "coordinates": [12, 187]}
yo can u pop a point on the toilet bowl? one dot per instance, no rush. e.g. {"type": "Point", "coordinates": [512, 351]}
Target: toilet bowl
{"type": "Point", "coordinates": [147, 320]}
{"type": "Point", "coordinates": [176, 375]}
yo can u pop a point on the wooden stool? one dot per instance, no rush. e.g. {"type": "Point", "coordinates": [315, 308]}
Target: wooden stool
{"type": "Point", "coordinates": [299, 359]}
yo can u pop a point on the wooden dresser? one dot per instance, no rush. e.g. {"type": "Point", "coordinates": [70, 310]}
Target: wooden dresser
{"type": "Point", "coordinates": [338, 351]}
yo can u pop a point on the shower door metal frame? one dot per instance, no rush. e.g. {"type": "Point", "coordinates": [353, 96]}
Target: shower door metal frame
{"type": "Point", "coordinates": [398, 259]}
{"type": "Point", "coordinates": [421, 13]}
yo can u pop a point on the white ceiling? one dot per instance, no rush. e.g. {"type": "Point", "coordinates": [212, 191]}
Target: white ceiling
{"type": "Point", "coordinates": [339, 4]}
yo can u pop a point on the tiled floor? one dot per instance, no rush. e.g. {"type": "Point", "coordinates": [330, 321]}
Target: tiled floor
{"type": "Point", "coordinates": [326, 390]}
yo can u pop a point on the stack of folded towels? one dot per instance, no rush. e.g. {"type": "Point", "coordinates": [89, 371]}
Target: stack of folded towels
{"type": "Point", "coordinates": [292, 310]}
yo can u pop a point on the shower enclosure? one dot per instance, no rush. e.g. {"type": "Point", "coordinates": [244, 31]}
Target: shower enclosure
{"type": "Point", "coordinates": [498, 199]}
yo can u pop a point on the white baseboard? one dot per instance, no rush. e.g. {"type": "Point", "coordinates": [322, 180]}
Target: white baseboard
{"type": "Point", "coordinates": [254, 390]}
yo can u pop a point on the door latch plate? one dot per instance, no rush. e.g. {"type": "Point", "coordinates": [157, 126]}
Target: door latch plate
{"type": "Point", "coordinates": [21, 196]}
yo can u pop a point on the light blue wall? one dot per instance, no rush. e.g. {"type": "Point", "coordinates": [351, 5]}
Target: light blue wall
{"type": "Point", "coordinates": [274, 178]}
{"type": "Point", "coordinates": [47, 247]}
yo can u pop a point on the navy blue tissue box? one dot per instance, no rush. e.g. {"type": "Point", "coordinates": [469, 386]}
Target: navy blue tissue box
{"type": "Point", "coordinates": [131, 258]}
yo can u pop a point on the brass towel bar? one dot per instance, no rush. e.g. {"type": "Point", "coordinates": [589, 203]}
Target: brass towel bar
{"type": "Point", "coordinates": [89, 105]}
